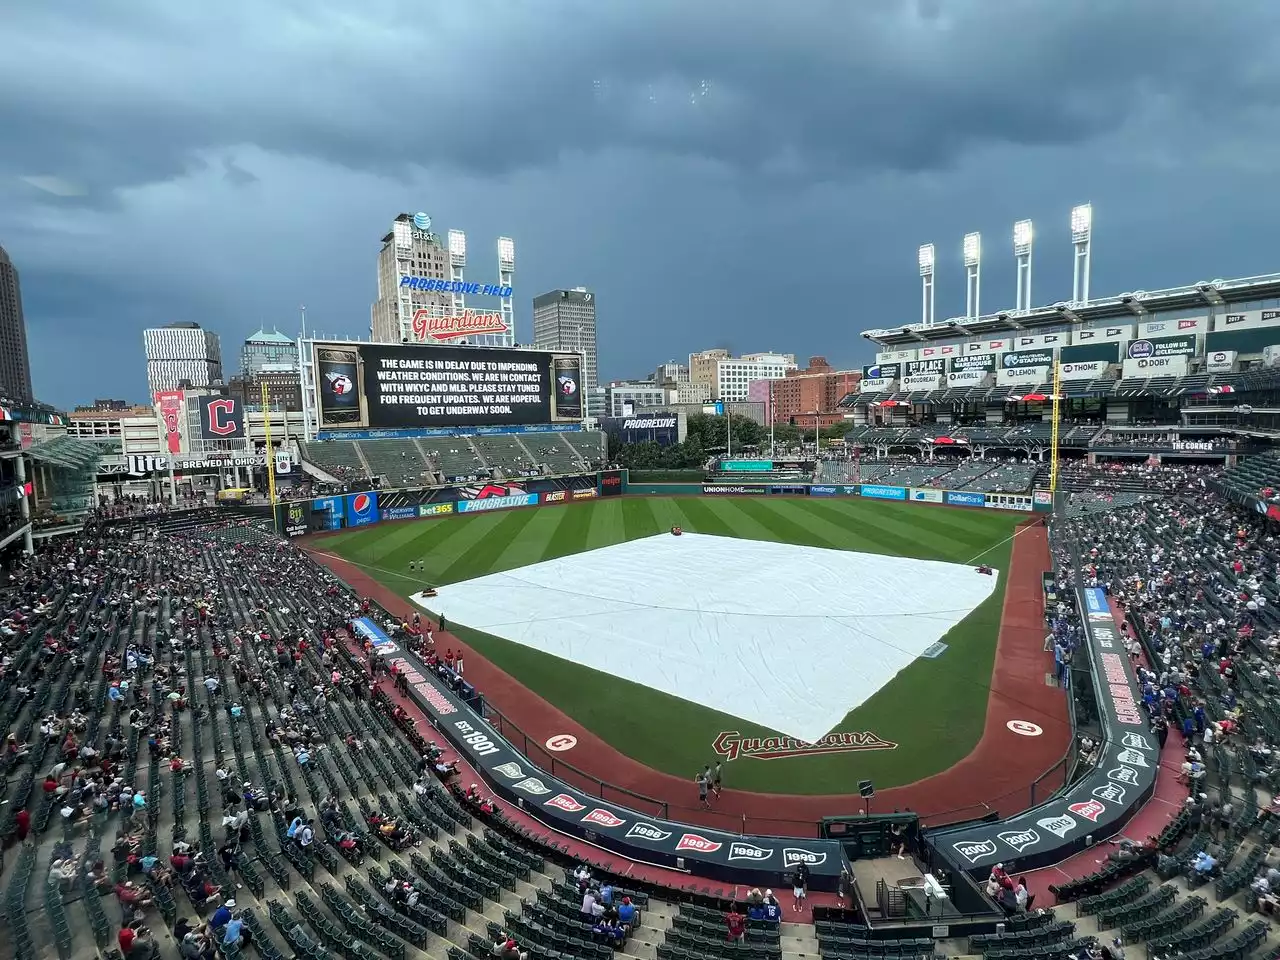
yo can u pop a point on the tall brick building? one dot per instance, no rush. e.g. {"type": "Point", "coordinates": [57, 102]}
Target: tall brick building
{"type": "Point", "coordinates": [795, 397]}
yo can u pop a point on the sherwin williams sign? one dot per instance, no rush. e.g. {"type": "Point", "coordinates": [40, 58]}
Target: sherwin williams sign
{"type": "Point", "coordinates": [874, 492]}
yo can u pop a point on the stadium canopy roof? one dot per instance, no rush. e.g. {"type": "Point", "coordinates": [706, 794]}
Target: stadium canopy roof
{"type": "Point", "coordinates": [70, 453]}
{"type": "Point", "coordinates": [1129, 305]}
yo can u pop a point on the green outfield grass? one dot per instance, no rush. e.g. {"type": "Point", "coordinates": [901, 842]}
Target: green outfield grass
{"type": "Point", "coordinates": [934, 709]}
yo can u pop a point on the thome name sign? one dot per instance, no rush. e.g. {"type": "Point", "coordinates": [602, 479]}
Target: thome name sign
{"type": "Point", "coordinates": [1099, 804]}
{"type": "Point", "coordinates": [725, 857]}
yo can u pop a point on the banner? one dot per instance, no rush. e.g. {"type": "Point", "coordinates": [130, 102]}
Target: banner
{"type": "Point", "coordinates": [882, 371]}
{"type": "Point", "coordinates": [967, 378]}
{"type": "Point", "coordinates": [1089, 352]}
{"type": "Point", "coordinates": [1162, 328]}
{"type": "Point", "coordinates": [988, 346]}
{"type": "Point", "coordinates": [284, 462]}
{"type": "Point", "coordinates": [1114, 333]}
{"type": "Point", "coordinates": [1220, 361]}
{"type": "Point", "coordinates": [890, 357]}
{"type": "Point", "coordinates": [1023, 376]}
{"type": "Point", "coordinates": [326, 514]}
{"type": "Point", "coordinates": [221, 418]}
{"type": "Point", "coordinates": [611, 483]}
{"type": "Point", "coordinates": [1008, 501]}
{"type": "Point", "coordinates": [936, 353]}
{"type": "Point", "coordinates": [362, 508]}
{"type": "Point", "coordinates": [169, 403]}
{"type": "Point", "coordinates": [292, 519]}
{"type": "Point", "coordinates": [925, 381]}
{"type": "Point", "coordinates": [936, 367]}
{"type": "Point", "coordinates": [984, 362]}
{"type": "Point", "coordinates": [817, 490]}
{"type": "Point", "coordinates": [964, 498]}
{"type": "Point", "coordinates": [1023, 359]}
{"type": "Point", "coordinates": [874, 492]}
{"type": "Point", "coordinates": [435, 509]}
{"type": "Point", "coordinates": [497, 503]}
{"type": "Point", "coordinates": [926, 495]}
{"type": "Point", "coordinates": [1083, 371]}
{"type": "Point", "coordinates": [1162, 347]}
{"type": "Point", "coordinates": [874, 384]}
{"type": "Point", "coordinates": [734, 489]}
{"type": "Point", "coordinates": [400, 513]}
{"type": "Point", "coordinates": [660, 428]}
{"type": "Point", "coordinates": [1049, 340]}
{"type": "Point", "coordinates": [1155, 367]}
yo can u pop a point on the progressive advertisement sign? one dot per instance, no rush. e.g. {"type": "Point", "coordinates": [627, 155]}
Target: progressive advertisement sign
{"type": "Point", "coordinates": [726, 857]}
{"type": "Point", "coordinates": [662, 429]}
{"type": "Point", "coordinates": [874, 491]}
{"type": "Point", "coordinates": [406, 386]}
{"type": "Point", "coordinates": [1097, 806]}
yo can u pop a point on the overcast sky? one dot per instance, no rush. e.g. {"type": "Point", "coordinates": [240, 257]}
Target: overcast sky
{"type": "Point", "coordinates": [728, 173]}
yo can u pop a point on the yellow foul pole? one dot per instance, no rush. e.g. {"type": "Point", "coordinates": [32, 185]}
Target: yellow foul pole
{"type": "Point", "coordinates": [271, 457]}
{"type": "Point", "coordinates": [1053, 431]}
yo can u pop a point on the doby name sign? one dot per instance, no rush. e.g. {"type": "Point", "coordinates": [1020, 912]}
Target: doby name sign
{"type": "Point", "coordinates": [725, 857]}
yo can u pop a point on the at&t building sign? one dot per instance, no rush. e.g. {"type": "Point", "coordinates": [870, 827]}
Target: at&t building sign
{"type": "Point", "coordinates": [434, 309]}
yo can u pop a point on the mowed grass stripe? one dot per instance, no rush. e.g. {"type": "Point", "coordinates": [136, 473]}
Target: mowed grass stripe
{"type": "Point", "coordinates": [703, 516]}
{"type": "Point", "coordinates": [605, 518]}
{"type": "Point", "coordinates": [772, 515]}
{"type": "Point", "coordinates": [637, 518]}
{"type": "Point", "coordinates": [442, 543]}
{"type": "Point", "coordinates": [568, 535]}
{"type": "Point", "coordinates": [481, 556]}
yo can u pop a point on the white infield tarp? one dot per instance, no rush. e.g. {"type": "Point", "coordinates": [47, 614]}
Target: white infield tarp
{"type": "Point", "coordinates": [790, 638]}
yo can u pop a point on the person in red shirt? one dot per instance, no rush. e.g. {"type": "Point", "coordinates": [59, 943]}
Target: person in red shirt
{"type": "Point", "coordinates": [23, 821]}
{"type": "Point", "coordinates": [126, 938]}
{"type": "Point", "coordinates": [736, 924]}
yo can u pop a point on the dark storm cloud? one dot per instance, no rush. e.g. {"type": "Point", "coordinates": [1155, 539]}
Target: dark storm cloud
{"type": "Point", "coordinates": [721, 171]}
{"type": "Point", "coordinates": [126, 93]}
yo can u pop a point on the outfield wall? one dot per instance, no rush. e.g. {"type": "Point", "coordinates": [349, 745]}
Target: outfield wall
{"type": "Point", "coordinates": [1039, 501]}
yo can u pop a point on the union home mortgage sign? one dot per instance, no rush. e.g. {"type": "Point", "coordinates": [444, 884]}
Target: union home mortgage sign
{"type": "Point", "coordinates": [1098, 805]}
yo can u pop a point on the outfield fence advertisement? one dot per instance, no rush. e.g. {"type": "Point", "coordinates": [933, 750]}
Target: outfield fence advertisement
{"type": "Point", "coordinates": [723, 857]}
{"type": "Point", "coordinates": [1098, 805]}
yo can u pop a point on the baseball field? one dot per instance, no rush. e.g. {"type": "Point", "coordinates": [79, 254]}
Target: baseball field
{"type": "Point", "coordinates": [918, 722]}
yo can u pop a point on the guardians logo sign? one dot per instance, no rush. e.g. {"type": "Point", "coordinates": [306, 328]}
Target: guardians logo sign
{"type": "Point", "coordinates": [731, 745]}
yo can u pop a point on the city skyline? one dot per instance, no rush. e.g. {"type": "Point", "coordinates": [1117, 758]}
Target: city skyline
{"type": "Point", "coordinates": [883, 132]}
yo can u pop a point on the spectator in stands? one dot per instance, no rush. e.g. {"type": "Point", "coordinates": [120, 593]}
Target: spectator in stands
{"type": "Point", "coordinates": [736, 925]}
{"type": "Point", "coordinates": [800, 885]}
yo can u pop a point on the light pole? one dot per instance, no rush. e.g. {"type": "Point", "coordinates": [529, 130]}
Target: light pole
{"type": "Point", "coordinates": [926, 256]}
{"type": "Point", "coordinates": [1023, 234]}
{"type": "Point", "coordinates": [1082, 241]}
{"type": "Point", "coordinates": [973, 275]}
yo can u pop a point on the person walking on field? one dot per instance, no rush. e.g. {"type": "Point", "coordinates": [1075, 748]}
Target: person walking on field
{"type": "Point", "coordinates": [716, 779]}
{"type": "Point", "coordinates": [702, 782]}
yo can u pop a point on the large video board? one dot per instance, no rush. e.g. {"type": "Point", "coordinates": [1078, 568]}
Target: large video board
{"type": "Point", "coordinates": [391, 386]}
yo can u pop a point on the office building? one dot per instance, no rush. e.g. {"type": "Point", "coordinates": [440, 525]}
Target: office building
{"type": "Point", "coordinates": [624, 398]}
{"type": "Point", "coordinates": [727, 377]}
{"type": "Point", "coordinates": [796, 397]}
{"type": "Point", "coordinates": [182, 355]}
{"type": "Point", "coordinates": [423, 290]}
{"type": "Point", "coordinates": [566, 320]}
{"type": "Point", "coordinates": [267, 349]}
{"type": "Point", "coordinates": [15, 360]}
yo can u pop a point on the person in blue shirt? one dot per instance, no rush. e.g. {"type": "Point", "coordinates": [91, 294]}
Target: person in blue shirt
{"type": "Point", "coordinates": [626, 913]}
{"type": "Point", "coordinates": [606, 894]}
{"type": "Point", "coordinates": [233, 932]}
{"type": "Point", "coordinates": [222, 915]}
{"type": "Point", "coordinates": [772, 912]}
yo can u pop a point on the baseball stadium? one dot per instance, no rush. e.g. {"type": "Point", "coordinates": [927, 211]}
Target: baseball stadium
{"type": "Point", "coordinates": [980, 664]}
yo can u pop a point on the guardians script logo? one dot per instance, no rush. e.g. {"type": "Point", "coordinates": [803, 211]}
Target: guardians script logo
{"type": "Point", "coordinates": [731, 745]}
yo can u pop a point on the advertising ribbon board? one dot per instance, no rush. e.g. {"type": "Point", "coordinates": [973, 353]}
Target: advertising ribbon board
{"type": "Point", "coordinates": [724, 857]}
{"type": "Point", "coordinates": [874, 491]}
{"type": "Point", "coordinates": [1095, 807]}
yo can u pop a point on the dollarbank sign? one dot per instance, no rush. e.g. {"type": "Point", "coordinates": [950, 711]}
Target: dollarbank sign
{"type": "Point", "coordinates": [731, 745]}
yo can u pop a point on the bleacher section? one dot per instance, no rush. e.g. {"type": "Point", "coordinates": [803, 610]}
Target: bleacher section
{"type": "Point", "coordinates": [419, 462]}
{"type": "Point", "coordinates": [505, 455]}
{"type": "Point", "coordinates": [1253, 475]}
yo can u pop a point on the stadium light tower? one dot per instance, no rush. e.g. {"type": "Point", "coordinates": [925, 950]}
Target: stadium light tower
{"type": "Point", "coordinates": [457, 267]}
{"type": "Point", "coordinates": [1082, 240]}
{"type": "Point", "coordinates": [927, 258]}
{"type": "Point", "coordinates": [1022, 238]}
{"type": "Point", "coordinates": [506, 270]}
{"type": "Point", "coordinates": [973, 275]}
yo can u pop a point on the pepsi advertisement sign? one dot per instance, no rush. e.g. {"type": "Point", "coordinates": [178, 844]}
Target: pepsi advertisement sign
{"type": "Point", "coordinates": [875, 492]}
{"type": "Point", "coordinates": [362, 509]}
{"type": "Point", "coordinates": [960, 498]}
